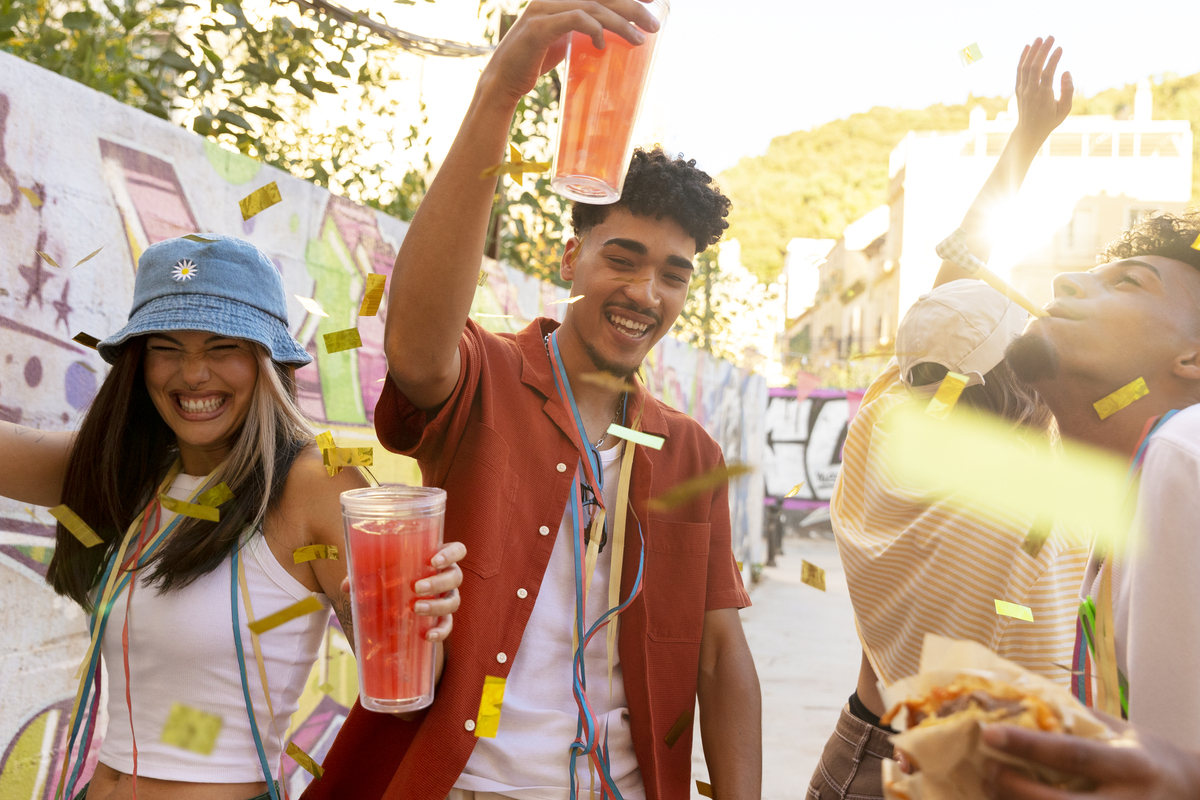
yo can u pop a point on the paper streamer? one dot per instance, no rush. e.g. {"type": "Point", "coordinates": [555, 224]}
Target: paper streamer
{"type": "Point", "coordinates": [681, 725]}
{"type": "Point", "coordinates": [970, 54]}
{"type": "Point", "coordinates": [1005, 609]}
{"type": "Point", "coordinates": [607, 380]}
{"type": "Point", "coordinates": [47, 258]}
{"type": "Point", "coordinates": [704, 789]}
{"type": "Point", "coordinates": [32, 197]}
{"type": "Point", "coordinates": [190, 509]}
{"type": "Point", "coordinates": [78, 528]}
{"type": "Point", "coordinates": [373, 295]}
{"type": "Point", "coordinates": [947, 395]}
{"type": "Point", "coordinates": [219, 495]}
{"type": "Point", "coordinates": [86, 339]}
{"type": "Point", "coordinates": [89, 256]}
{"type": "Point", "coordinates": [1121, 398]}
{"type": "Point", "coordinates": [348, 456]}
{"type": "Point", "coordinates": [191, 729]}
{"type": "Point", "coordinates": [637, 437]}
{"type": "Point", "coordinates": [259, 200]}
{"type": "Point", "coordinates": [312, 306]}
{"type": "Point", "coordinates": [681, 493]}
{"type": "Point", "coordinates": [305, 760]}
{"type": "Point", "coordinates": [338, 341]}
{"type": "Point", "coordinates": [490, 703]}
{"type": "Point", "coordinates": [308, 605]}
{"type": "Point", "coordinates": [812, 575]}
{"type": "Point", "coordinates": [192, 237]}
{"type": "Point", "coordinates": [312, 552]}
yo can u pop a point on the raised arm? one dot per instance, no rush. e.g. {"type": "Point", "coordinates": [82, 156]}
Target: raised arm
{"type": "Point", "coordinates": [34, 464]}
{"type": "Point", "coordinates": [1039, 114]}
{"type": "Point", "coordinates": [438, 265]}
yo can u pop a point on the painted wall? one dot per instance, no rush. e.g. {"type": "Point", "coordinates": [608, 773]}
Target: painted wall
{"type": "Point", "coordinates": [804, 444]}
{"type": "Point", "coordinates": [108, 176]}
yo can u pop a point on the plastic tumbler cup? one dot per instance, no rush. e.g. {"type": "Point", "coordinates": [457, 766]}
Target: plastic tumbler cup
{"type": "Point", "coordinates": [601, 103]}
{"type": "Point", "coordinates": [392, 533]}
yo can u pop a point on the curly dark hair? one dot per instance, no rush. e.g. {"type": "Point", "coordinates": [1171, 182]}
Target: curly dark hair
{"type": "Point", "coordinates": [1166, 235]}
{"type": "Point", "coordinates": [661, 186]}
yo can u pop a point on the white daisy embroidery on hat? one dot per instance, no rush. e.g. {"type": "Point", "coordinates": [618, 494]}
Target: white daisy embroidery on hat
{"type": "Point", "coordinates": [184, 270]}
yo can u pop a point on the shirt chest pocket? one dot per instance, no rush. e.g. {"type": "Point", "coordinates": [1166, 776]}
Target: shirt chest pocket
{"type": "Point", "coordinates": [676, 580]}
{"type": "Point", "coordinates": [482, 489]}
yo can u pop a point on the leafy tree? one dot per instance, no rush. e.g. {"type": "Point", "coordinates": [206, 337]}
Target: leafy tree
{"type": "Point", "coordinates": [724, 309]}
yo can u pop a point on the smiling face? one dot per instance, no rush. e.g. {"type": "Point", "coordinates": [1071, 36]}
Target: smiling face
{"type": "Point", "coordinates": [202, 385]}
{"type": "Point", "coordinates": [632, 272]}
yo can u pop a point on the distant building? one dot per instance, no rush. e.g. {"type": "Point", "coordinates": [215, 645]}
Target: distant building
{"type": "Point", "coordinates": [1095, 177]}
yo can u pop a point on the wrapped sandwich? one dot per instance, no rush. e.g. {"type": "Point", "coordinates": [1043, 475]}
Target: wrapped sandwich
{"type": "Point", "coordinates": [940, 712]}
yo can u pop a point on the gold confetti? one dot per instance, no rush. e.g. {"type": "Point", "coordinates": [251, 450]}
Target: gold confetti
{"type": "Point", "coordinates": [490, 705]}
{"type": "Point", "coordinates": [970, 54]}
{"type": "Point", "coordinates": [86, 339]}
{"type": "Point", "coordinates": [739, 566]}
{"type": "Point", "coordinates": [607, 380]}
{"type": "Point", "coordinates": [681, 493]}
{"type": "Point", "coordinates": [1121, 398]}
{"type": "Point", "coordinates": [305, 760]}
{"type": "Point", "coordinates": [1013, 610]}
{"type": "Point", "coordinates": [348, 456]}
{"type": "Point", "coordinates": [259, 200]}
{"type": "Point", "coordinates": [637, 437]}
{"type": "Point", "coordinates": [192, 237]}
{"type": "Point", "coordinates": [89, 256]}
{"type": "Point", "coordinates": [483, 276]}
{"type": "Point", "coordinates": [308, 605]}
{"type": "Point", "coordinates": [338, 341]}
{"type": "Point", "coordinates": [193, 510]}
{"type": "Point", "coordinates": [794, 490]}
{"type": "Point", "coordinates": [1196, 244]}
{"type": "Point", "coordinates": [568, 300]}
{"type": "Point", "coordinates": [219, 495]}
{"type": "Point", "coordinates": [47, 258]}
{"type": "Point", "coordinates": [947, 395]}
{"type": "Point", "coordinates": [78, 528]}
{"type": "Point", "coordinates": [312, 552]}
{"type": "Point", "coordinates": [191, 729]}
{"type": "Point", "coordinates": [704, 789]}
{"type": "Point", "coordinates": [1037, 536]}
{"type": "Point", "coordinates": [681, 725]}
{"type": "Point", "coordinates": [812, 575]}
{"type": "Point", "coordinates": [32, 197]}
{"type": "Point", "coordinates": [325, 442]}
{"type": "Point", "coordinates": [373, 295]}
{"type": "Point", "coordinates": [517, 167]}
{"type": "Point", "coordinates": [327, 688]}
{"type": "Point", "coordinates": [312, 306]}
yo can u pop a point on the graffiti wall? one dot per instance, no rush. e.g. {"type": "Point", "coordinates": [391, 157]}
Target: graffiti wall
{"type": "Point", "coordinates": [78, 173]}
{"type": "Point", "coordinates": [804, 444]}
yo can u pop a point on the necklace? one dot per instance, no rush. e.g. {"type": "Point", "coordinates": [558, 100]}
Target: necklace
{"type": "Point", "coordinates": [616, 412]}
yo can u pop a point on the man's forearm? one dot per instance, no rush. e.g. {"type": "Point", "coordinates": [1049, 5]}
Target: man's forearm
{"type": "Point", "coordinates": [731, 724]}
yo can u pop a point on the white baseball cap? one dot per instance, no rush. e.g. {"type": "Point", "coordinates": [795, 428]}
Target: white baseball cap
{"type": "Point", "coordinates": [964, 325]}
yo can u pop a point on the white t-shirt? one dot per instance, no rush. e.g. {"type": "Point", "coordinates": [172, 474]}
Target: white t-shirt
{"type": "Point", "coordinates": [529, 759]}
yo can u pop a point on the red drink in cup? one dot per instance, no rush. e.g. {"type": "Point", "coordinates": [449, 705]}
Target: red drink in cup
{"type": "Point", "coordinates": [601, 101]}
{"type": "Point", "coordinates": [392, 534]}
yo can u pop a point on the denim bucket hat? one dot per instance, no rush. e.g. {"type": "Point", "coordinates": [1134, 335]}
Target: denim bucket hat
{"type": "Point", "coordinates": [224, 285]}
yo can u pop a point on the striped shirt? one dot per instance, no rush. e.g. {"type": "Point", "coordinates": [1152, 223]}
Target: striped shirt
{"type": "Point", "coordinates": [918, 564]}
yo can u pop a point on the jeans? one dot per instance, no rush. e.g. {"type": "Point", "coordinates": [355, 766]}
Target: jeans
{"type": "Point", "coordinates": [851, 767]}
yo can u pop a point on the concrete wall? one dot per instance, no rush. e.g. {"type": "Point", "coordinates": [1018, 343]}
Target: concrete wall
{"type": "Point", "coordinates": [108, 176]}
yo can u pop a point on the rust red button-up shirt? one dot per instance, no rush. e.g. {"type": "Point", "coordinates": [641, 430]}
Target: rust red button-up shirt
{"type": "Point", "coordinates": [504, 447]}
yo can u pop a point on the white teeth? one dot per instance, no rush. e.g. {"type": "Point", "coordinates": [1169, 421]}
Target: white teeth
{"type": "Point", "coordinates": [628, 324]}
{"type": "Point", "coordinates": [201, 406]}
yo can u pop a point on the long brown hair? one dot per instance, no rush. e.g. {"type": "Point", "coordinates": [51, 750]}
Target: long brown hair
{"type": "Point", "coordinates": [124, 450]}
{"type": "Point", "coordinates": [1000, 394]}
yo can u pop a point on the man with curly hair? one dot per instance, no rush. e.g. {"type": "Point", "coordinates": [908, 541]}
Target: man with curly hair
{"type": "Point", "coordinates": [538, 697]}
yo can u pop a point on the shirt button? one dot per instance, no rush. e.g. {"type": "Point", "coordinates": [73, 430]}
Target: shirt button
{"type": "Point", "coordinates": [501, 657]}
{"type": "Point", "coordinates": [561, 468]}
{"type": "Point", "coordinates": [521, 593]}
{"type": "Point", "coordinates": [469, 724]}
{"type": "Point", "coordinates": [543, 530]}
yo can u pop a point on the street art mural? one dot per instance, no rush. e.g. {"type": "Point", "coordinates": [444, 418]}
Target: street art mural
{"type": "Point", "coordinates": [99, 175]}
{"type": "Point", "coordinates": [804, 444]}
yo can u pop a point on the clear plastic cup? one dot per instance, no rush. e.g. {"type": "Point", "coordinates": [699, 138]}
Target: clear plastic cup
{"type": "Point", "coordinates": [392, 534]}
{"type": "Point", "coordinates": [602, 98]}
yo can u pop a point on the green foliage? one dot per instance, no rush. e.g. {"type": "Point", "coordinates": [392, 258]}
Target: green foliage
{"type": "Point", "coordinates": [723, 313]}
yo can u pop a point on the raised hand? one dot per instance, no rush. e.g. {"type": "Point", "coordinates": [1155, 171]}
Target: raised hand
{"type": "Point", "coordinates": [1040, 113]}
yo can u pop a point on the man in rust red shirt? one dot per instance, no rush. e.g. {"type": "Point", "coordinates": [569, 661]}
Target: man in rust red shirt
{"type": "Point", "coordinates": [553, 508]}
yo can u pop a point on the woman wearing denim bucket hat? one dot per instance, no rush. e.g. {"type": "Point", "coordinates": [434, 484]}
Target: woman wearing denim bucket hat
{"type": "Point", "coordinates": [201, 396]}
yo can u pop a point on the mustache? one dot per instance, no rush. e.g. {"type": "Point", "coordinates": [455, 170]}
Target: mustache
{"type": "Point", "coordinates": [645, 312]}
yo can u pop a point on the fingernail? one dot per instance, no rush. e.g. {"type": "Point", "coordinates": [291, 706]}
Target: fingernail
{"type": "Point", "coordinates": [638, 36]}
{"type": "Point", "coordinates": [422, 587]}
{"type": "Point", "coordinates": [433, 636]}
{"type": "Point", "coordinates": [438, 560]}
{"type": "Point", "coordinates": [421, 608]}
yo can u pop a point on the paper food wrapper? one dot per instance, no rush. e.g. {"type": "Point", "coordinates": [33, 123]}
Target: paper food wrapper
{"type": "Point", "coordinates": [951, 756]}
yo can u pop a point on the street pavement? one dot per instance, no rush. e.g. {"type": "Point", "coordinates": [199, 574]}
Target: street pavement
{"type": "Point", "coordinates": [807, 655]}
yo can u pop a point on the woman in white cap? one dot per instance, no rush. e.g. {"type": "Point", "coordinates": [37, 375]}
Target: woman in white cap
{"type": "Point", "coordinates": [918, 564]}
{"type": "Point", "coordinates": [200, 407]}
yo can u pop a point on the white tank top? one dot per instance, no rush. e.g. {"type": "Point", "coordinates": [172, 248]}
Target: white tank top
{"type": "Point", "coordinates": [181, 650]}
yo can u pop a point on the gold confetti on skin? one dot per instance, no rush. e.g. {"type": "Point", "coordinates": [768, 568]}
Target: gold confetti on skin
{"type": "Point", "coordinates": [794, 490]}
{"type": "Point", "coordinates": [327, 688]}
{"type": "Point", "coordinates": [86, 339]}
{"type": "Point", "coordinates": [1122, 397]}
{"type": "Point", "coordinates": [348, 456]}
{"type": "Point", "coordinates": [32, 197]}
{"type": "Point", "coordinates": [970, 54]}
{"type": "Point", "coordinates": [192, 510]}
{"type": "Point", "coordinates": [373, 295]}
{"type": "Point", "coordinates": [338, 341]}
{"type": "Point", "coordinates": [681, 725]}
{"type": "Point", "coordinates": [812, 575]}
{"type": "Point", "coordinates": [704, 789]}
{"type": "Point", "coordinates": [304, 760]}
{"type": "Point", "coordinates": [312, 306]}
{"type": "Point", "coordinates": [89, 256]}
{"type": "Point", "coordinates": [491, 702]}
{"type": "Point", "coordinates": [78, 528]}
{"type": "Point", "coordinates": [47, 259]}
{"type": "Point", "coordinates": [219, 495]}
{"type": "Point", "coordinates": [947, 395]}
{"type": "Point", "coordinates": [325, 442]}
{"type": "Point", "coordinates": [312, 552]}
{"type": "Point", "coordinates": [680, 494]}
{"type": "Point", "coordinates": [568, 300]}
{"type": "Point", "coordinates": [637, 437]}
{"type": "Point", "coordinates": [308, 605]}
{"type": "Point", "coordinates": [191, 729]}
{"type": "Point", "coordinates": [1014, 610]}
{"type": "Point", "coordinates": [259, 200]}
{"type": "Point", "coordinates": [192, 237]}
{"type": "Point", "coordinates": [607, 380]}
